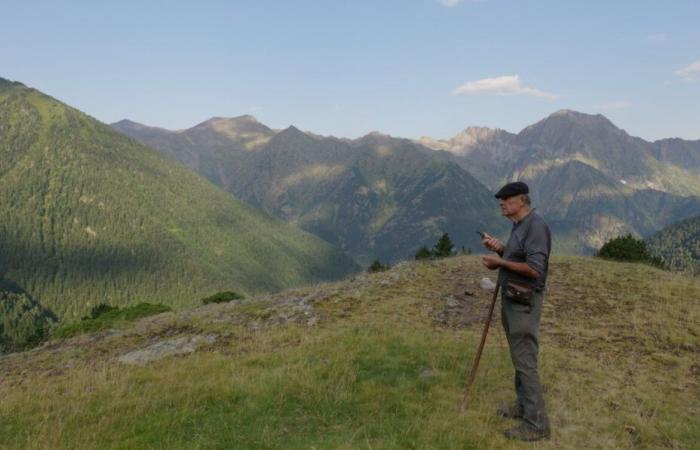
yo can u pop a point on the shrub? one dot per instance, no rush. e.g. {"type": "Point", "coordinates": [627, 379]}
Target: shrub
{"type": "Point", "coordinates": [222, 297]}
{"type": "Point", "coordinates": [106, 316]}
{"type": "Point", "coordinates": [627, 248]}
{"type": "Point", "coordinates": [98, 310]}
{"type": "Point", "coordinates": [377, 266]}
{"type": "Point", "coordinates": [424, 253]}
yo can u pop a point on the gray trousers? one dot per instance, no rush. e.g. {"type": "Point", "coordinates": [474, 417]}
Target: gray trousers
{"type": "Point", "coordinates": [521, 324]}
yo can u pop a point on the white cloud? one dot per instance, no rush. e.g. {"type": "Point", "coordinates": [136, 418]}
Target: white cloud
{"type": "Point", "coordinates": [504, 85]}
{"type": "Point", "coordinates": [610, 106]}
{"type": "Point", "coordinates": [690, 72]}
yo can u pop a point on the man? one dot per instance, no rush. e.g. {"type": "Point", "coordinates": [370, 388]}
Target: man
{"type": "Point", "coordinates": [522, 263]}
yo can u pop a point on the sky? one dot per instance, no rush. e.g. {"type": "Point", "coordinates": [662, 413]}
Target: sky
{"type": "Point", "coordinates": [407, 68]}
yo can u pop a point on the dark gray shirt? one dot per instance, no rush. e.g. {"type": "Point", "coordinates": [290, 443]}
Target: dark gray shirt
{"type": "Point", "coordinates": [530, 242]}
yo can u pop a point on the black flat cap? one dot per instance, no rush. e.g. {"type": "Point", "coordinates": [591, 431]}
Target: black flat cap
{"type": "Point", "coordinates": [511, 189]}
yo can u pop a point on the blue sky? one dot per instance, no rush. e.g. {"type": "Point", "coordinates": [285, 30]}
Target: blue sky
{"type": "Point", "coordinates": [407, 68]}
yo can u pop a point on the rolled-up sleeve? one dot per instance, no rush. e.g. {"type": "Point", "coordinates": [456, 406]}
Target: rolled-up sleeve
{"type": "Point", "coordinates": [537, 243]}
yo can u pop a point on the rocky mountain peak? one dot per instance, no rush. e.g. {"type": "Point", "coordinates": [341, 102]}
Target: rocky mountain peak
{"type": "Point", "coordinates": [377, 134]}
{"type": "Point", "coordinates": [218, 122]}
{"type": "Point", "coordinates": [565, 127]}
{"type": "Point", "coordinates": [291, 136]}
{"type": "Point", "coordinates": [245, 118]}
{"type": "Point", "coordinates": [131, 128]}
{"type": "Point", "coordinates": [291, 131]}
{"type": "Point", "coordinates": [475, 135]}
{"type": "Point", "coordinates": [128, 124]}
{"type": "Point", "coordinates": [235, 127]}
{"type": "Point", "coordinates": [378, 138]}
{"type": "Point", "coordinates": [466, 140]}
{"type": "Point", "coordinates": [569, 117]}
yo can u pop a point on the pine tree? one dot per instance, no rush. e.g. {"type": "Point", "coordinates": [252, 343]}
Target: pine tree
{"type": "Point", "coordinates": [444, 247]}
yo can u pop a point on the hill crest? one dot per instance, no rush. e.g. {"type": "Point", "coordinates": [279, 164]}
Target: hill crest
{"type": "Point", "coordinates": [326, 359]}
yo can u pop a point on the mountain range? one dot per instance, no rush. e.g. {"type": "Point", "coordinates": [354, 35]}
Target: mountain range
{"type": "Point", "coordinates": [373, 197]}
{"type": "Point", "coordinates": [90, 216]}
{"type": "Point", "coordinates": [382, 196]}
{"type": "Point", "coordinates": [589, 178]}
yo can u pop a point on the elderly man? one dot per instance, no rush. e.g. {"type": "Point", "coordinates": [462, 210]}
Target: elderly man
{"type": "Point", "coordinates": [522, 264]}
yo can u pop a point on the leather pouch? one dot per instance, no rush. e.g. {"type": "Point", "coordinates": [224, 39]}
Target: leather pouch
{"type": "Point", "coordinates": [519, 292]}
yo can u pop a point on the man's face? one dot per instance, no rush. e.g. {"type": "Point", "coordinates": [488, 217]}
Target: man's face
{"type": "Point", "coordinates": [511, 206]}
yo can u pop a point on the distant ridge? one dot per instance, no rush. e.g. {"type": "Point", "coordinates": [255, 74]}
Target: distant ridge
{"type": "Point", "coordinates": [375, 197]}
{"type": "Point", "coordinates": [589, 178]}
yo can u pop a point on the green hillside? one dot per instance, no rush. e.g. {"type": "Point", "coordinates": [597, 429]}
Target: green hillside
{"type": "Point", "coordinates": [90, 216]}
{"type": "Point", "coordinates": [679, 245]}
{"type": "Point", "coordinates": [378, 361]}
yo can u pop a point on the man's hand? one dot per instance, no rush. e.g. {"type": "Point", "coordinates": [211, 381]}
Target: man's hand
{"type": "Point", "coordinates": [492, 244]}
{"type": "Point", "coordinates": [492, 262]}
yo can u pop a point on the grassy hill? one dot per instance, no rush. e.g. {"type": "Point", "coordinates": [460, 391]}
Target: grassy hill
{"type": "Point", "coordinates": [378, 361]}
{"type": "Point", "coordinates": [90, 216]}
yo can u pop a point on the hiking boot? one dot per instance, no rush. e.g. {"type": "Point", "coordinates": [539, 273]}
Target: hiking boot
{"type": "Point", "coordinates": [528, 433]}
{"type": "Point", "coordinates": [514, 411]}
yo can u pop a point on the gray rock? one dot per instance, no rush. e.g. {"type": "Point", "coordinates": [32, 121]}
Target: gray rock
{"type": "Point", "coordinates": [487, 284]}
{"type": "Point", "coordinates": [171, 347]}
{"type": "Point", "coordinates": [451, 302]}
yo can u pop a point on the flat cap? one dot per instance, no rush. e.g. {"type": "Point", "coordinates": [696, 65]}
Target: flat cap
{"type": "Point", "coordinates": [511, 189]}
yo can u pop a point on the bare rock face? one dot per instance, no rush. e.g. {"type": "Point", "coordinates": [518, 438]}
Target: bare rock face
{"type": "Point", "coordinates": [162, 349]}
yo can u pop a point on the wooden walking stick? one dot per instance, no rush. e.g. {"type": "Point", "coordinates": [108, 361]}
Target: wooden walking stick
{"type": "Point", "coordinates": [475, 365]}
